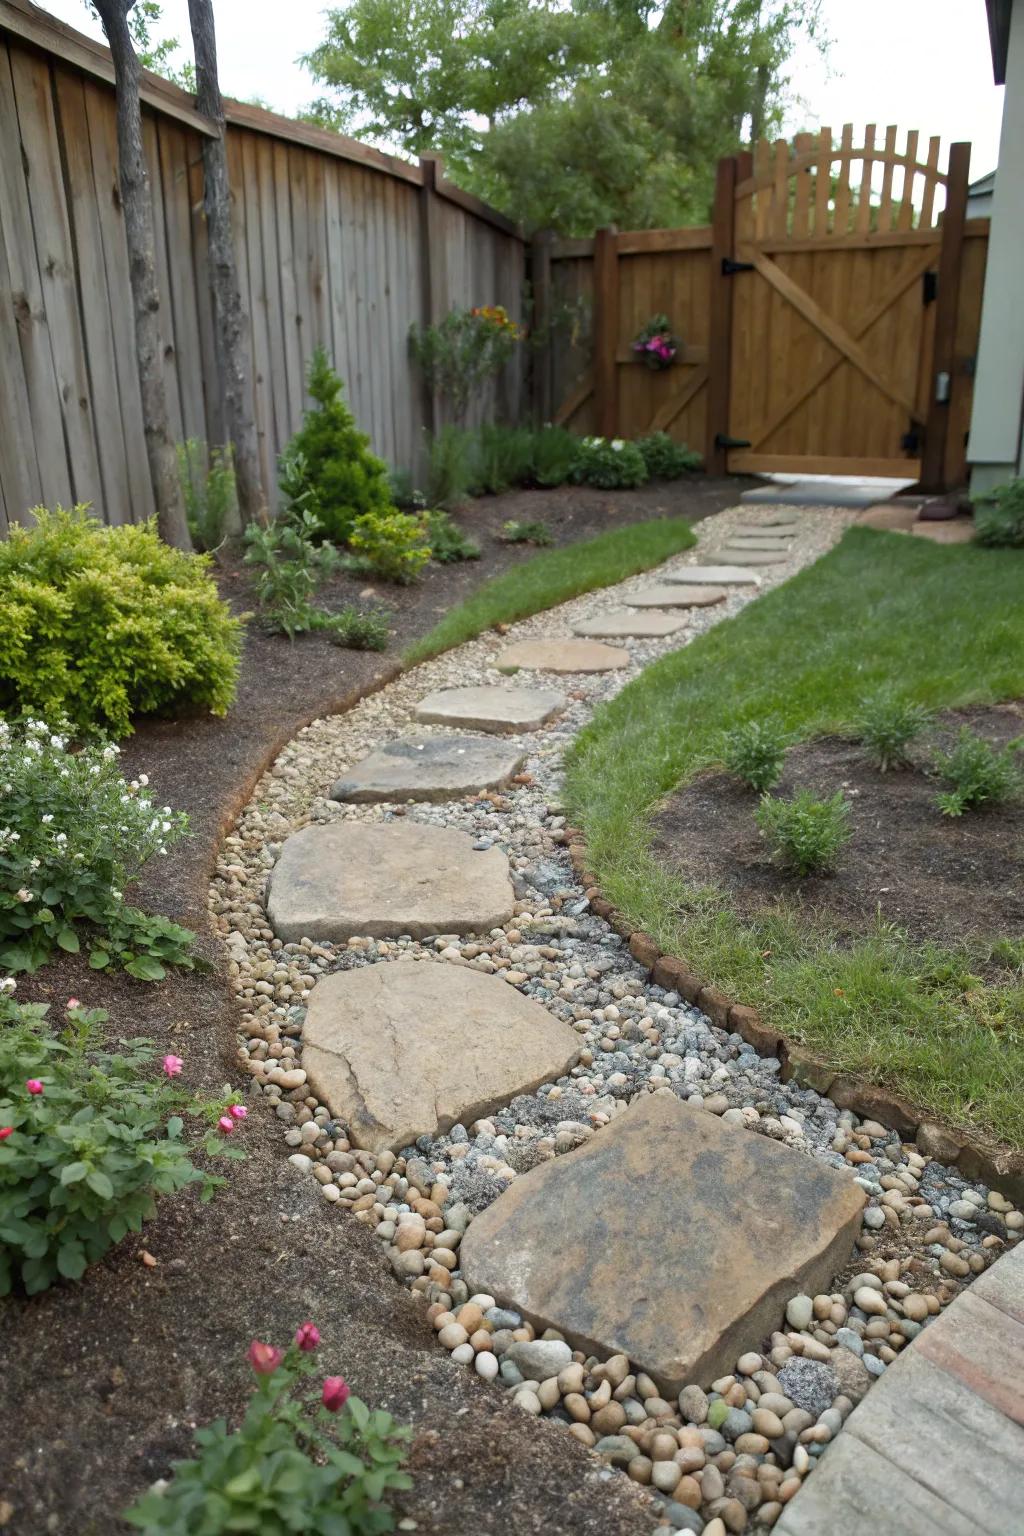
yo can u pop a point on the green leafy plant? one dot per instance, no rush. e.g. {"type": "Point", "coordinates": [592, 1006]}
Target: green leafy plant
{"type": "Point", "coordinates": [208, 487]}
{"type": "Point", "coordinates": [516, 532]}
{"type": "Point", "coordinates": [554, 455]}
{"type": "Point", "coordinates": [288, 568]}
{"type": "Point", "coordinates": [358, 629]}
{"type": "Point", "coordinates": [311, 1458]}
{"type": "Point", "coordinates": [392, 545]}
{"type": "Point", "coordinates": [466, 348]}
{"type": "Point", "coordinates": [755, 751]}
{"type": "Point", "coordinates": [609, 464]}
{"type": "Point", "coordinates": [979, 774]}
{"type": "Point", "coordinates": [88, 1140]}
{"type": "Point", "coordinates": [999, 516]}
{"type": "Point", "coordinates": [73, 835]}
{"type": "Point", "coordinates": [447, 541]}
{"type": "Point", "coordinates": [328, 469]}
{"type": "Point", "coordinates": [100, 624]}
{"type": "Point", "coordinates": [404, 493]}
{"type": "Point", "coordinates": [886, 724]}
{"type": "Point", "coordinates": [450, 476]}
{"type": "Point", "coordinates": [807, 834]}
{"type": "Point", "coordinates": [665, 459]}
{"type": "Point", "coordinates": [502, 458]}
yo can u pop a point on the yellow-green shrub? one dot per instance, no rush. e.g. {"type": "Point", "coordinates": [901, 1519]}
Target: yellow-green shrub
{"type": "Point", "coordinates": [100, 624]}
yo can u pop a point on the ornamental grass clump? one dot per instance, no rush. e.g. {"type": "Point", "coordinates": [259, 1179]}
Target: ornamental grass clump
{"type": "Point", "coordinates": [554, 455]}
{"type": "Point", "coordinates": [89, 1137]}
{"type": "Point", "coordinates": [73, 835]}
{"type": "Point", "coordinates": [308, 1456]}
{"type": "Point", "coordinates": [610, 464]}
{"type": "Point", "coordinates": [755, 752]}
{"type": "Point", "coordinates": [99, 624]}
{"type": "Point", "coordinates": [886, 725]}
{"type": "Point", "coordinates": [978, 774]}
{"type": "Point", "coordinates": [328, 469]}
{"type": "Point", "coordinates": [806, 834]}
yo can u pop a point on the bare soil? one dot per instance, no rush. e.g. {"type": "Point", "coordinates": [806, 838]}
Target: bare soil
{"type": "Point", "coordinates": [938, 878]}
{"type": "Point", "coordinates": [103, 1382]}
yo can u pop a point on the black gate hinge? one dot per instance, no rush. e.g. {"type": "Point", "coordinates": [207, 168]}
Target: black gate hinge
{"type": "Point", "coordinates": [730, 267]}
{"type": "Point", "coordinates": [929, 288]}
{"type": "Point", "coordinates": [723, 440]}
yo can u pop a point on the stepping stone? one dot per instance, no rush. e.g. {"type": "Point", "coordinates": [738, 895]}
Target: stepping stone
{"type": "Point", "coordinates": [712, 575]}
{"type": "Point", "coordinates": [668, 596]}
{"type": "Point", "coordinates": [779, 519]}
{"type": "Point", "coordinates": [958, 530]}
{"type": "Point", "coordinates": [891, 516]}
{"type": "Point", "coordinates": [430, 768]}
{"type": "Point", "coordinates": [412, 1048]}
{"type": "Point", "coordinates": [491, 709]}
{"type": "Point", "coordinates": [760, 541]}
{"type": "Point", "coordinates": [382, 879]}
{"type": "Point", "coordinates": [754, 531]}
{"type": "Point", "coordinates": [563, 655]}
{"type": "Point", "coordinates": [668, 1237]}
{"type": "Point", "coordinates": [740, 556]}
{"type": "Point", "coordinates": [622, 624]}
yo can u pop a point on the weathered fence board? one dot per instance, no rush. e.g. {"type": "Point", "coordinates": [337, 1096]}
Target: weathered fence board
{"type": "Point", "coordinates": [329, 238]}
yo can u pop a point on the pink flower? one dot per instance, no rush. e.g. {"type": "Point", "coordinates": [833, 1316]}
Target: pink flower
{"type": "Point", "coordinates": [264, 1358]}
{"type": "Point", "coordinates": [73, 1003]}
{"type": "Point", "coordinates": [34, 1086]}
{"type": "Point", "coordinates": [5, 1131]}
{"type": "Point", "coordinates": [226, 1124]}
{"type": "Point", "coordinates": [336, 1393]}
{"type": "Point", "coordinates": [238, 1111]}
{"type": "Point", "coordinates": [307, 1337]}
{"type": "Point", "coordinates": [172, 1065]}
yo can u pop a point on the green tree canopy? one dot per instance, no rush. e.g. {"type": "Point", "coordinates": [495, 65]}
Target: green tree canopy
{"type": "Point", "coordinates": [569, 113]}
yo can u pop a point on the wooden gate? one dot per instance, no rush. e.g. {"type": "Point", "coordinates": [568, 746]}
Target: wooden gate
{"type": "Point", "coordinates": [829, 315]}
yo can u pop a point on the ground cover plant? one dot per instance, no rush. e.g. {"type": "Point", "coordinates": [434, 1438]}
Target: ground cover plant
{"type": "Point", "coordinates": [611, 464]}
{"type": "Point", "coordinates": [754, 751]}
{"type": "Point", "coordinates": [390, 544]}
{"type": "Point", "coordinates": [806, 833]}
{"type": "Point", "coordinates": [100, 624]}
{"type": "Point", "coordinates": [89, 1137]}
{"type": "Point", "coordinates": [665, 458]}
{"type": "Point", "coordinates": [289, 566]}
{"type": "Point", "coordinates": [807, 653]}
{"type": "Point", "coordinates": [515, 531]}
{"type": "Point", "coordinates": [977, 774]}
{"type": "Point", "coordinates": [447, 541]}
{"type": "Point", "coordinates": [553, 577]}
{"type": "Point", "coordinates": [306, 1457]}
{"type": "Point", "coordinates": [74, 835]}
{"type": "Point", "coordinates": [208, 486]}
{"type": "Point", "coordinates": [999, 516]}
{"type": "Point", "coordinates": [886, 723]}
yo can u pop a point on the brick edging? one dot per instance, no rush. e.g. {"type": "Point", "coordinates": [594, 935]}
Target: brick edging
{"type": "Point", "coordinates": [1000, 1169]}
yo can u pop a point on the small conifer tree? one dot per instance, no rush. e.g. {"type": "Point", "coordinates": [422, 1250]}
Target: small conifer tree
{"type": "Point", "coordinates": [331, 471]}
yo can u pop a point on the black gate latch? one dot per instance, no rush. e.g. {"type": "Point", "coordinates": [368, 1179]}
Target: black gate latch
{"type": "Point", "coordinates": [730, 267]}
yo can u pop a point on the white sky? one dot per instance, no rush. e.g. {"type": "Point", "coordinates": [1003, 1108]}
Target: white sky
{"type": "Point", "coordinates": [918, 63]}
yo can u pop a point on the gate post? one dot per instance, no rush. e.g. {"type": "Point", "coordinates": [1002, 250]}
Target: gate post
{"type": "Point", "coordinates": [951, 250]}
{"type": "Point", "coordinates": [606, 331]}
{"type": "Point", "coordinates": [723, 229]}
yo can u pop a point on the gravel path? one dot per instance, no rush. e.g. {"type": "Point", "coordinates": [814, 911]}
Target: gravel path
{"type": "Point", "coordinates": [729, 1454]}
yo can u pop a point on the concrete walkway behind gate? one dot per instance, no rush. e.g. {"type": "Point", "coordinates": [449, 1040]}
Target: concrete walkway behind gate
{"type": "Point", "coordinates": [937, 1446]}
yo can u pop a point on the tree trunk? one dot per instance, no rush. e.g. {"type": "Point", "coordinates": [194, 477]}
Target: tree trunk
{"type": "Point", "coordinates": [233, 362]}
{"type": "Point", "coordinates": [137, 208]}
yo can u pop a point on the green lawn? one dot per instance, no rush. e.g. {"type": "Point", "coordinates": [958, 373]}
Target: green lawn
{"type": "Point", "coordinates": [554, 577]}
{"type": "Point", "coordinates": [946, 624]}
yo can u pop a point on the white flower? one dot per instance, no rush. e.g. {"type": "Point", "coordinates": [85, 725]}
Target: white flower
{"type": "Point", "coordinates": [143, 778]}
{"type": "Point", "coordinates": [165, 826]}
{"type": "Point", "coordinates": [58, 742]}
{"type": "Point", "coordinates": [8, 984]}
{"type": "Point", "coordinates": [618, 444]}
{"type": "Point", "coordinates": [46, 820]}
{"type": "Point", "coordinates": [61, 837]}
{"type": "Point", "coordinates": [33, 863]}
{"type": "Point", "coordinates": [25, 894]}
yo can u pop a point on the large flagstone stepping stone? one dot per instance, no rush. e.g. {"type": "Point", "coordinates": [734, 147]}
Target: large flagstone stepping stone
{"type": "Point", "coordinates": [622, 624]}
{"type": "Point", "coordinates": [668, 595]}
{"type": "Point", "coordinates": [755, 531]}
{"type": "Point", "coordinates": [712, 576]}
{"type": "Point", "coordinates": [412, 1048]}
{"type": "Point", "coordinates": [760, 541]}
{"type": "Point", "coordinates": [740, 556]}
{"type": "Point", "coordinates": [491, 709]}
{"type": "Point", "coordinates": [779, 519]}
{"type": "Point", "coordinates": [563, 655]}
{"type": "Point", "coordinates": [430, 768]}
{"type": "Point", "coordinates": [378, 880]}
{"type": "Point", "coordinates": [669, 1237]}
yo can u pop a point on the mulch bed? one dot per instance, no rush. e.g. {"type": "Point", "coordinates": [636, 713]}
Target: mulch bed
{"type": "Point", "coordinates": [939, 878]}
{"type": "Point", "coordinates": [104, 1381]}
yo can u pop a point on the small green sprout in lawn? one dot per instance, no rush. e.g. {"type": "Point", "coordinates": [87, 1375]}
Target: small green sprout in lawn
{"type": "Point", "coordinates": [514, 532]}
{"type": "Point", "coordinates": [887, 724]}
{"type": "Point", "coordinates": [755, 751]}
{"type": "Point", "coordinates": [978, 773]}
{"type": "Point", "coordinates": [806, 834]}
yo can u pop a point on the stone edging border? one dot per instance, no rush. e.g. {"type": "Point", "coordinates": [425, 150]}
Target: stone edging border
{"type": "Point", "coordinates": [1003, 1171]}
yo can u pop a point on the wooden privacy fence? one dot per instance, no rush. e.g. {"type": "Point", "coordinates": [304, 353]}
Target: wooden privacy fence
{"type": "Point", "coordinates": [337, 244]}
{"type": "Point", "coordinates": [829, 319]}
